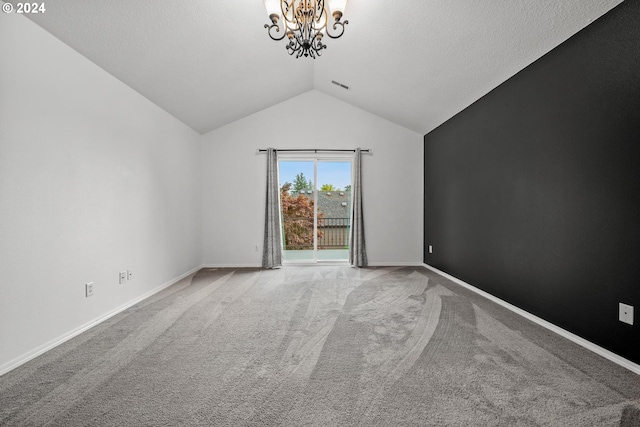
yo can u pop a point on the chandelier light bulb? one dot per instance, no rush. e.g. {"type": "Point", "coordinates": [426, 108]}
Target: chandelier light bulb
{"type": "Point", "coordinates": [273, 7]}
{"type": "Point", "coordinates": [337, 6]}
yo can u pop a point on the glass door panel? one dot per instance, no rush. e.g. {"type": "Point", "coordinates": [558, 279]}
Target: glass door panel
{"type": "Point", "coordinates": [333, 209]}
{"type": "Point", "coordinates": [297, 209]}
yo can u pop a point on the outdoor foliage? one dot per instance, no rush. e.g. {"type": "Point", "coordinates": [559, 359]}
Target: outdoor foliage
{"type": "Point", "coordinates": [328, 187]}
{"type": "Point", "coordinates": [297, 216]}
{"type": "Point", "coordinates": [301, 183]}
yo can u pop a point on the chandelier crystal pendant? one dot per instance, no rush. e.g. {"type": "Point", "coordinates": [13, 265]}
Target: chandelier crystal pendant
{"type": "Point", "coordinates": [305, 22]}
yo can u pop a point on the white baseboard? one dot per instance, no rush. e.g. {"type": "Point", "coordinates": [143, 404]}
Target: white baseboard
{"type": "Point", "coordinates": [625, 363]}
{"type": "Point", "coordinates": [249, 265]}
{"type": "Point", "coordinates": [20, 360]}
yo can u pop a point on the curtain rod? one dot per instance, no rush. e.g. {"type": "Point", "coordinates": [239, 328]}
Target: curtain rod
{"type": "Point", "coordinates": [315, 150]}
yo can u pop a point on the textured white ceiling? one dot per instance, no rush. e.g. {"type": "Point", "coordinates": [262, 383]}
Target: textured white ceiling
{"type": "Point", "coordinates": [413, 62]}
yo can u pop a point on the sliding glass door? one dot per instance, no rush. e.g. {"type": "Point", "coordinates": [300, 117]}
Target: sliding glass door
{"type": "Point", "coordinates": [315, 203]}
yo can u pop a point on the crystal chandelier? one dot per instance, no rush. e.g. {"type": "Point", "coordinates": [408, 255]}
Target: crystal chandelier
{"type": "Point", "coordinates": [304, 23]}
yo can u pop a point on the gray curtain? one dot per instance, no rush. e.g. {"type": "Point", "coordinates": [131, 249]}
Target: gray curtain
{"type": "Point", "coordinates": [272, 250]}
{"type": "Point", "coordinates": [357, 251]}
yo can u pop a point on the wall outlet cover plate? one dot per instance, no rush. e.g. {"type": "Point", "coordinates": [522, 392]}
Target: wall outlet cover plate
{"type": "Point", "coordinates": [626, 313]}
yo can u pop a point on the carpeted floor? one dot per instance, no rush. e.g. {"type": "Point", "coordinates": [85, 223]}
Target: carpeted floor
{"type": "Point", "coordinates": [330, 346]}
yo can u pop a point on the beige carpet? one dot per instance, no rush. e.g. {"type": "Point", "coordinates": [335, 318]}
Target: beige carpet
{"type": "Point", "coordinates": [329, 346]}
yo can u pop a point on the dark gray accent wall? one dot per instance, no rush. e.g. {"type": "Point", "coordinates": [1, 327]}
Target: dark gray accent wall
{"type": "Point", "coordinates": [533, 192]}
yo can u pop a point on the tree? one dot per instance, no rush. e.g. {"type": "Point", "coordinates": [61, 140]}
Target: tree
{"type": "Point", "coordinates": [347, 188]}
{"type": "Point", "coordinates": [301, 183]}
{"type": "Point", "coordinates": [297, 216]}
{"type": "Point", "coordinates": [328, 187]}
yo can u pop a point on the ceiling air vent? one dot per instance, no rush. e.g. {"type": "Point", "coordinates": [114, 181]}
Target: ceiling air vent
{"type": "Point", "coordinates": [340, 85]}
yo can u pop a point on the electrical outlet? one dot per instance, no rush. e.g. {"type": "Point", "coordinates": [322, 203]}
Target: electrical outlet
{"type": "Point", "coordinates": [626, 313]}
{"type": "Point", "coordinates": [88, 288]}
{"type": "Point", "coordinates": [430, 249]}
{"type": "Point", "coordinates": [256, 248]}
{"type": "Point", "coordinates": [129, 274]}
{"type": "Point", "coordinates": [122, 277]}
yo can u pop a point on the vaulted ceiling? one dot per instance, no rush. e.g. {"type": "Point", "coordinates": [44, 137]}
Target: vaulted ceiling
{"type": "Point", "coordinates": [414, 62]}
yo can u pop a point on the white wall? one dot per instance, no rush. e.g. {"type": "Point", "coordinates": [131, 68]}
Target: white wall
{"type": "Point", "coordinates": [94, 179]}
{"type": "Point", "coordinates": [234, 177]}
